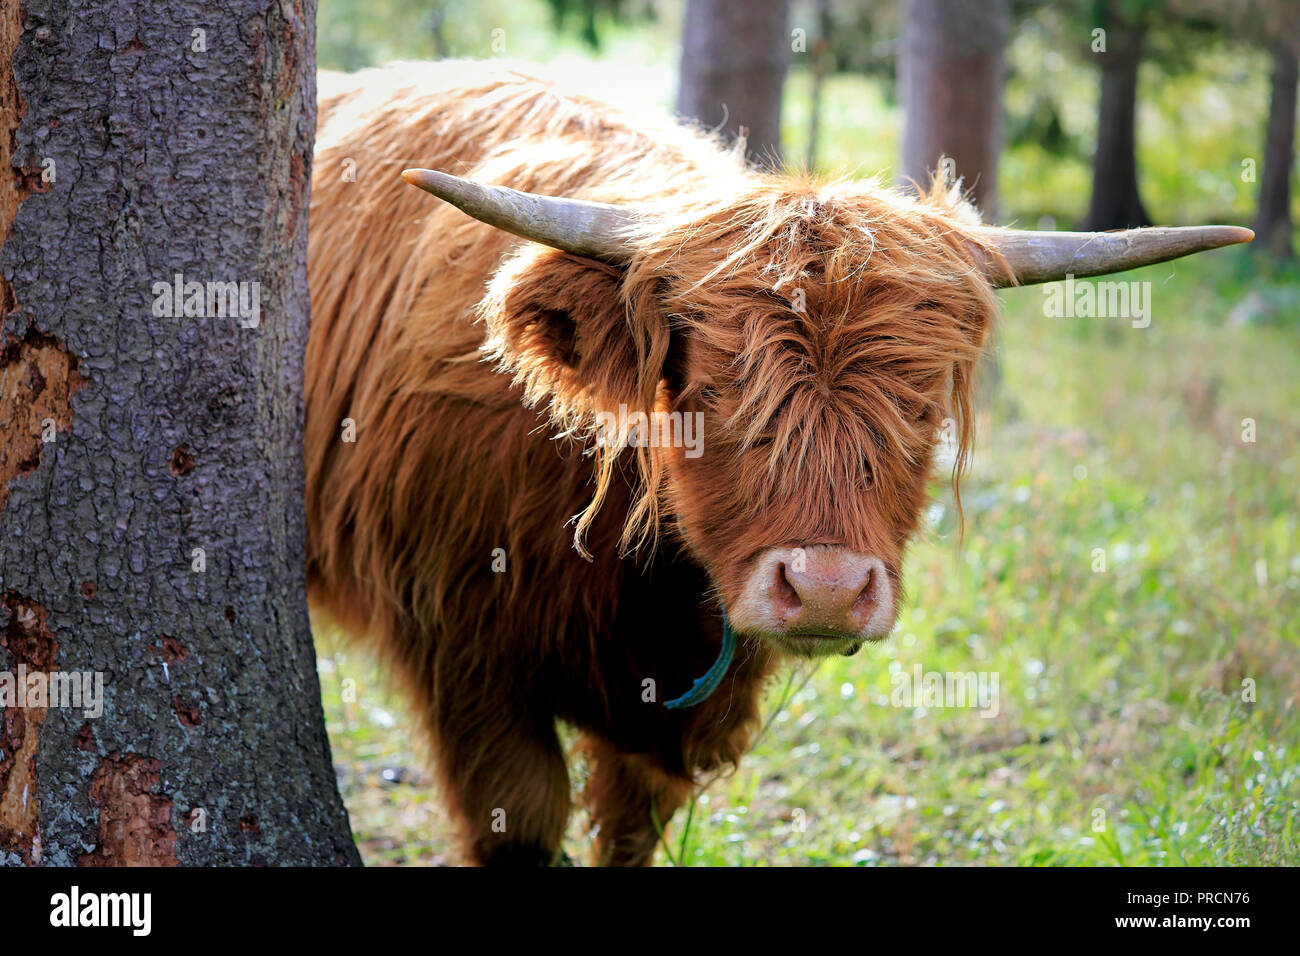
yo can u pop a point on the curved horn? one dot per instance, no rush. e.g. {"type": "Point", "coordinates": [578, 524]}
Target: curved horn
{"type": "Point", "coordinates": [1048, 256]}
{"type": "Point", "coordinates": [592, 229]}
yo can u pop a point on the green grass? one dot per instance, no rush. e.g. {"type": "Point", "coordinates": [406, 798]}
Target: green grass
{"type": "Point", "coordinates": [1126, 731]}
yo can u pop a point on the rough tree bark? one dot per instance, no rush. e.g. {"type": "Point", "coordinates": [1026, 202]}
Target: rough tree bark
{"type": "Point", "coordinates": [1116, 202]}
{"type": "Point", "coordinates": [1273, 220]}
{"type": "Point", "coordinates": [951, 73]}
{"type": "Point", "coordinates": [145, 142]}
{"type": "Point", "coordinates": [734, 60]}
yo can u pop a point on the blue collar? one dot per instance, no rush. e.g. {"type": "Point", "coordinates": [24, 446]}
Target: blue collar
{"type": "Point", "coordinates": [704, 686]}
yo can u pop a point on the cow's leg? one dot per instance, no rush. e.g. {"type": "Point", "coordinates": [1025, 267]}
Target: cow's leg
{"type": "Point", "coordinates": [621, 794]}
{"type": "Point", "coordinates": [624, 786]}
{"type": "Point", "coordinates": [657, 766]}
{"type": "Point", "coordinates": [505, 779]}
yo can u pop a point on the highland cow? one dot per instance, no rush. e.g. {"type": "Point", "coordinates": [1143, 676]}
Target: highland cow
{"type": "Point", "coordinates": [483, 504]}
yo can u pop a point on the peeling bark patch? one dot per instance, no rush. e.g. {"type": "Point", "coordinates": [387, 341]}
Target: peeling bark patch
{"type": "Point", "coordinates": [169, 649]}
{"type": "Point", "coordinates": [188, 716]}
{"type": "Point", "coordinates": [135, 824]}
{"type": "Point", "coordinates": [29, 642]}
{"type": "Point", "coordinates": [38, 378]}
{"type": "Point", "coordinates": [18, 452]}
{"type": "Point", "coordinates": [86, 738]}
{"type": "Point", "coordinates": [291, 42]}
{"type": "Point", "coordinates": [27, 637]}
{"type": "Point", "coordinates": [19, 816]}
{"type": "Point", "coordinates": [12, 109]}
{"type": "Point", "coordinates": [297, 180]}
{"type": "Point", "coordinates": [182, 462]}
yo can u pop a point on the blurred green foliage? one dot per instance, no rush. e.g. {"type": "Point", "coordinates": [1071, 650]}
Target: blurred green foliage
{"type": "Point", "coordinates": [1202, 113]}
{"type": "Point", "coordinates": [586, 16]}
{"type": "Point", "coordinates": [352, 34]}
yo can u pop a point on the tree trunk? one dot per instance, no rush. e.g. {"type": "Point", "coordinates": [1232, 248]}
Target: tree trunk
{"type": "Point", "coordinates": [950, 79]}
{"type": "Point", "coordinates": [734, 59]}
{"type": "Point", "coordinates": [1273, 221]}
{"type": "Point", "coordinates": [951, 73]}
{"type": "Point", "coordinates": [820, 56]}
{"type": "Point", "coordinates": [437, 17]}
{"type": "Point", "coordinates": [152, 531]}
{"type": "Point", "coordinates": [1116, 203]}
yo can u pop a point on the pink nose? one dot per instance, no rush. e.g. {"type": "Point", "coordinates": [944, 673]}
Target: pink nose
{"type": "Point", "coordinates": [833, 591]}
{"type": "Point", "coordinates": [817, 592]}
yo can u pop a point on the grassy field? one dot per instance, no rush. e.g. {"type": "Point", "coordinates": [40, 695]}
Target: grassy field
{"type": "Point", "coordinates": [1130, 572]}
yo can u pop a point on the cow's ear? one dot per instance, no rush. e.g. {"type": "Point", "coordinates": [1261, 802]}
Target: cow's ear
{"type": "Point", "coordinates": [562, 326]}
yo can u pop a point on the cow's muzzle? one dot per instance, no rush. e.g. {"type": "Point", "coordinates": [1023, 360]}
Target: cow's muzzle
{"type": "Point", "coordinates": [816, 600]}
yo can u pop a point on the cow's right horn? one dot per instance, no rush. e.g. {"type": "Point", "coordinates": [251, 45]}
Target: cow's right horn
{"type": "Point", "coordinates": [592, 229]}
{"type": "Point", "coordinates": [1049, 256]}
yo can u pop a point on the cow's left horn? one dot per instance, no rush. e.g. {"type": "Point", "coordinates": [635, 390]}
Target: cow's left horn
{"type": "Point", "coordinates": [1048, 256]}
{"type": "Point", "coordinates": [592, 229]}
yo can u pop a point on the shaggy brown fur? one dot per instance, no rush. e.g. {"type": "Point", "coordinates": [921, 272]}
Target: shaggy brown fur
{"type": "Point", "coordinates": [823, 329]}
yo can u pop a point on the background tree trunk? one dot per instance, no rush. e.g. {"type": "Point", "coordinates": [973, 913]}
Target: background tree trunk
{"type": "Point", "coordinates": [734, 60]}
{"type": "Point", "coordinates": [172, 140]}
{"type": "Point", "coordinates": [1116, 202]}
{"type": "Point", "coordinates": [950, 79]}
{"type": "Point", "coordinates": [1273, 220]}
{"type": "Point", "coordinates": [820, 53]}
